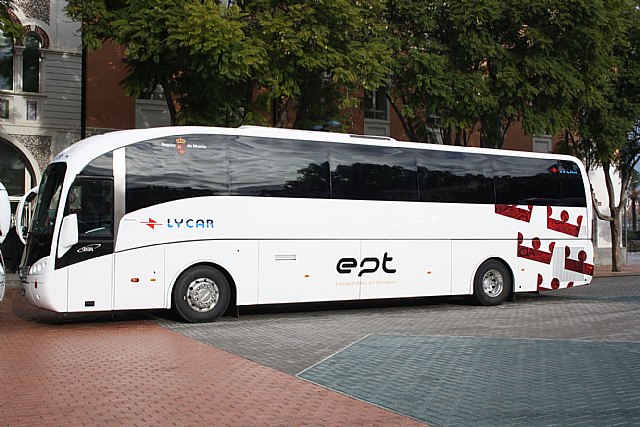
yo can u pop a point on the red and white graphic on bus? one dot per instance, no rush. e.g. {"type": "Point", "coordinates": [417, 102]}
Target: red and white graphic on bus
{"type": "Point", "coordinates": [579, 266]}
{"type": "Point", "coordinates": [563, 225]}
{"type": "Point", "coordinates": [534, 253]}
{"type": "Point", "coordinates": [513, 211]}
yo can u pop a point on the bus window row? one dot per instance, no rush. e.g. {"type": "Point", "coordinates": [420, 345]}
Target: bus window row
{"type": "Point", "coordinates": [162, 170]}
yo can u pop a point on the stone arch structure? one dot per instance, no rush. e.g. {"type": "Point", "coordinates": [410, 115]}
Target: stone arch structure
{"type": "Point", "coordinates": [44, 37]}
{"type": "Point", "coordinates": [28, 157]}
{"type": "Point", "coordinates": [41, 32]}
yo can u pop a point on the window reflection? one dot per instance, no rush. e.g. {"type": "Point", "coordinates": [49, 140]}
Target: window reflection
{"type": "Point", "coordinates": [158, 172]}
{"type": "Point", "coordinates": [373, 173]}
{"type": "Point", "coordinates": [175, 168]}
{"type": "Point", "coordinates": [278, 168]}
{"type": "Point", "coordinates": [526, 181]}
{"type": "Point", "coordinates": [453, 177]}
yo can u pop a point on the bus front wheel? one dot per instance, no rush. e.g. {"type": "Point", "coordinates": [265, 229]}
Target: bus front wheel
{"type": "Point", "coordinates": [201, 294]}
{"type": "Point", "coordinates": [492, 283]}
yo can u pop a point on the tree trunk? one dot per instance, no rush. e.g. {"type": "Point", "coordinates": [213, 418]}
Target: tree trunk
{"type": "Point", "coordinates": [168, 96]}
{"type": "Point", "coordinates": [616, 261]}
{"type": "Point", "coordinates": [613, 218]}
{"type": "Point", "coordinates": [614, 221]}
{"type": "Point", "coordinates": [405, 126]}
{"type": "Point", "coordinates": [283, 112]}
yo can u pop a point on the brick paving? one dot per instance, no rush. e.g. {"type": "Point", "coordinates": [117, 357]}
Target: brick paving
{"type": "Point", "coordinates": [125, 370]}
{"type": "Point", "coordinates": [565, 357]}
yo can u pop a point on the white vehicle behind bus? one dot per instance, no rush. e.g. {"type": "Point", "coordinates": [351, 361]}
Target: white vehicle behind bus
{"type": "Point", "coordinates": [5, 225]}
{"type": "Point", "coordinates": [202, 220]}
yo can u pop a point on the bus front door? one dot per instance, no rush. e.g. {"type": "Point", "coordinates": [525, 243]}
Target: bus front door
{"type": "Point", "coordinates": [89, 261]}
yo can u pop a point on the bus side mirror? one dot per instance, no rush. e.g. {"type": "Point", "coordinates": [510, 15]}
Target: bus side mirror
{"type": "Point", "coordinates": [68, 234]}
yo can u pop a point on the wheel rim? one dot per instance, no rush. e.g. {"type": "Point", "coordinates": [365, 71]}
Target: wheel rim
{"type": "Point", "coordinates": [202, 294]}
{"type": "Point", "coordinates": [492, 283]}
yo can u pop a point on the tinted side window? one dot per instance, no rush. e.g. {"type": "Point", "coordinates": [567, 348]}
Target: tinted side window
{"type": "Point", "coordinates": [526, 181]}
{"type": "Point", "coordinates": [101, 166]}
{"type": "Point", "coordinates": [571, 184]}
{"type": "Point", "coordinates": [92, 201]}
{"type": "Point", "coordinates": [172, 168]}
{"type": "Point", "coordinates": [278, 167]}
{"type": "Point", "coordinates": [453, 177]}
{"type": "Point", "coordinates": [373, 173]}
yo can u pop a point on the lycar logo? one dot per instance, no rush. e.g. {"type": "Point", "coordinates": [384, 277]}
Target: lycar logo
{"type": "Point", "coordinates": [367, 265]}
{"type": "Point", "coordinates": [181, 223]}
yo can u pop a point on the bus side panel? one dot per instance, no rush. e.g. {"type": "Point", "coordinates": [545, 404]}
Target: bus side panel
{"type": "Point", "coordinates": [139, 278]}
{"type": "Point", "coordinates": [90, 284]}
{"type": "Point", "coordinates": [238, 257]}
{"type": "Point", "coordinates": [467, 255]}
{"type": "Point", "coordinates": [406, 268]}
{"type": "Point", "coordinates": [312, 270]}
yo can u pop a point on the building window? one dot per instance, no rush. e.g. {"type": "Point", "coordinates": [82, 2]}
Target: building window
{"type": "Point", "coordinates": [542, 144]}
{"type": "Point", "coordinates": [4, 108]}
{"type": "Point", "coordinates": [32, 110]}
{"type": "Point", "coordinates": [6, 62]}
{"type": "Point", "coordinates": [157, 94]}
{"type": "Point", "coordinates": [376, 105]}
{"type": "Point", "coordinates": [31, 63]}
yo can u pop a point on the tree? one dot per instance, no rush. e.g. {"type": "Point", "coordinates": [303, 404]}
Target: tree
{"type": "Point", "coordinates": [321, 55]}
{"type": "Point", "coordinates": [225, 64]}
{"type": "Point", "coordinates": [483, 65]}
{"type": "Point", "coordinates": [7, 27]}
{"type": "Point", "coordinates": [607, 131]}
{"type": "Point", "coordinates": [197, 52]}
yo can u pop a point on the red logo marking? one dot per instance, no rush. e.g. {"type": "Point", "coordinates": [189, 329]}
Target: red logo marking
{"type": "Point", "coordinates": [563, 225]}
{"type": "Point", "coordinates": [534, 253]}
{"type": "Point", "coordinates": [151, 223]}
{"type": "Point", "coordinates": [555, 284]}
{"type": "Point", "coordinates": [579, 266]}
{"type": "Point", "coordinates": [512, 211]}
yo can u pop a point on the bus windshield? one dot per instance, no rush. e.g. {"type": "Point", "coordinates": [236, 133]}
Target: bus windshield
{"type": "Point", "coordinates": [44, 216]}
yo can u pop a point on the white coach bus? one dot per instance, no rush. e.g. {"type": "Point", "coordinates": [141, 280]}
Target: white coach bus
{"type": "Point", "coordinates": [203, 220]}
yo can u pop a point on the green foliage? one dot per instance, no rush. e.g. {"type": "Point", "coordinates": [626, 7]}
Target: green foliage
{"type": "Point", "coordinates": [7, 26]}
{"type": "Point", "coordinates": [321, 55]}
{"type": "Point", "coordinates": [213, 59]}
{"type": "Point", "coordinates": [606, 128]}
{"type": "Point", "coordinates": [488, 63]}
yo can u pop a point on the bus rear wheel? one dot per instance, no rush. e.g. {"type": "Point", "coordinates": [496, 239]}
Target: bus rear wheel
{"type": "Point", "coordinates": [492, 283]}
{"type": "Point", "coordinates": [201, 294]}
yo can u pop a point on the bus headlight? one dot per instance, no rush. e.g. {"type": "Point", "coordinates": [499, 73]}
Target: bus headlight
{"type": "Point", "coordinates": [38, 267]}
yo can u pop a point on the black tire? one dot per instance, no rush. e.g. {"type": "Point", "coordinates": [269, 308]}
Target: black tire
{"type": "Point", "coordinates": [201, 294]}
{"type": "Point", "coordinates": [492, 283]}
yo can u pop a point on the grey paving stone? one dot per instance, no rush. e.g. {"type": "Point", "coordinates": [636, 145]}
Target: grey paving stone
{"type": "Point", "coordinates": [578, 344]}
{"type": "Point", "coordinates": [559, 377]}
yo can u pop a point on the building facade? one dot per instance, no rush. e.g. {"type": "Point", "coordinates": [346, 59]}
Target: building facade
{"type": "Point", "coordinates": [40, 92]}
{"type": "Point", "coordinates": [44, 106]}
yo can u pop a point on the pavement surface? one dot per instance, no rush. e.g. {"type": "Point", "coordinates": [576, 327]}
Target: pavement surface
{"type": "Point", "coordinates": [567, 357]}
